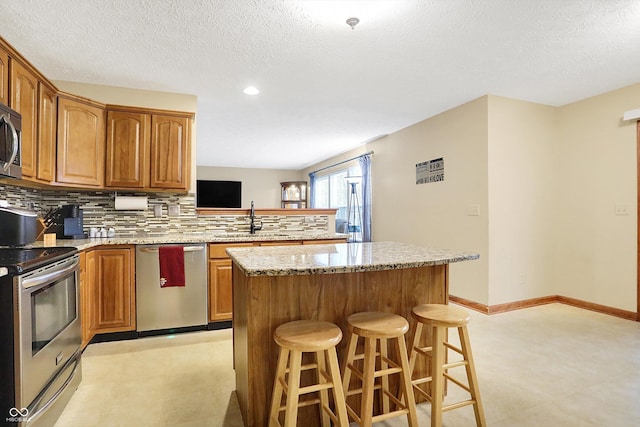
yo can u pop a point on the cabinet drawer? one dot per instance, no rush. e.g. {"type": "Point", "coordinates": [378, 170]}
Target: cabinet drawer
{"type": "Point", "coordinates": [217, 250]}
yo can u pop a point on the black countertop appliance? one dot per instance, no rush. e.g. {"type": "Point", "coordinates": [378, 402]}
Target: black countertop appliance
{"type": "Point", "coordinates": [18, 226]}
{"type": "Point", "coordinates": [68, 223]}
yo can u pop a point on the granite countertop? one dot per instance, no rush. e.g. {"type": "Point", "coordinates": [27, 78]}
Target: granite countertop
{"type": "Point", "coordinates": [190, 237]}
{"type": "Point", "coordinates": [340, 258]}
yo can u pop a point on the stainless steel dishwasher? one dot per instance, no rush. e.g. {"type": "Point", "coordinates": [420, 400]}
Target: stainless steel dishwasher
{"type": "Point", "coordinates": [171, 307]}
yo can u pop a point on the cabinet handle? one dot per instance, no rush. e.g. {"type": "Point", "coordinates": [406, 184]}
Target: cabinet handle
{"type": "Point", "coordinates": [16, 142]}
{"type": "Point", "coordinates": [186, 249]}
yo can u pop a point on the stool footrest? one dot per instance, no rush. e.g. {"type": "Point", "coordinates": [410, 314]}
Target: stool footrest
{"type": "Point", "coordinates": [458, 382]}
{"type": "Point", "coordinates": [454, 364]}
{"type": "Point", "coordinates": [452, 347]}
{"type": "Point", "coordinates": [359, 390]}
{"type": "Point", "coordinates": [422, 392]}
{"type": "Point", "coordinates": [458, 405]}
{"type": "Point", "coordinates": [382, 417]}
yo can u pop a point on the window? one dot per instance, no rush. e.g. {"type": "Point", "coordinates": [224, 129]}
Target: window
{"type": "Point", "coordinates": [334, 190]}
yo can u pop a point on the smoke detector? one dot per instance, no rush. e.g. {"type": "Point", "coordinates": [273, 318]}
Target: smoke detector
{"type": "Point", "coordinates": [352, 22]}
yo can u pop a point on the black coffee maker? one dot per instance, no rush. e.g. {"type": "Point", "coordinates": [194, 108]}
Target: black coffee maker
{"type": "Point", "coordinates": [68, 223]}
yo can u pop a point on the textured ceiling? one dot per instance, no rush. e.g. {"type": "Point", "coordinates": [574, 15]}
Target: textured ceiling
{"type": "Point", "coordinates": [324, 87]}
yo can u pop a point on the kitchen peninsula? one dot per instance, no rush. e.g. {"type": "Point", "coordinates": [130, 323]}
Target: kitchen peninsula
{"type": "Point", "coordinates": [329, 282]}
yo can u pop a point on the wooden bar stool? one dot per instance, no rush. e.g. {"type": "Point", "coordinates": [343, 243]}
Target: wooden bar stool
{"type": "Point", "coordinates": [307, 336]}
{"type": "Point", "coordinates": [374, 327]}
{"type": "Point", "coordinates": [441, 317]}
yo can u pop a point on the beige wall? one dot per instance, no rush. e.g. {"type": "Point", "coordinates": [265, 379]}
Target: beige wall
{"type": "Point", "coordinates": [139, 98]}
{"type": "Point", "coordinates": [522, 137]}
{"type": "Point", "coordinates": [260, 185]}
{"type": "Point", "coordinates": [547, 181]}
{"type": "Point", "coordinates": [596, 170]}
{"type": "Point", "coordinates": [434, 214]}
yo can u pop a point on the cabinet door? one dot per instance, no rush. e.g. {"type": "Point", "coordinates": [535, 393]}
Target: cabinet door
{"type": "Point", "coordinates": [81, 144]}
{"type": "Point", "coordinates": [170, 152]}
{"type": "Point", "coordinates": [220, 290]}
{"type": "Point", "coordinates": [4, 76]}
{"type": "Point", "coordinates": [128, 136]}
{"type": "Point", "coordinates": [114, 290]}
{"type": "Point", "coordinates": [24, 99]}
{"type": "Point", "coordinates": [47, 110]}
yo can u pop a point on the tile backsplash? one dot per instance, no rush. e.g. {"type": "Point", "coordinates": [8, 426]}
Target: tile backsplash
{"type": "Point", "coordinates": [99, 211]}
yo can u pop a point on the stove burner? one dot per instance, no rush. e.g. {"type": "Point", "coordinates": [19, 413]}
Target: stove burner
{"type": "Point", "coordinates": [18, 260]}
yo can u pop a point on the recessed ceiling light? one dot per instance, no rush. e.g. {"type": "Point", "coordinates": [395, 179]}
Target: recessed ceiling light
{"type": "Point", "coordinates": [251, 90]}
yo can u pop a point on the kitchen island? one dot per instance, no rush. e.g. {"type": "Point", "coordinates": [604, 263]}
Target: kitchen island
{"type": "Point", "coordinates": [274, 285]}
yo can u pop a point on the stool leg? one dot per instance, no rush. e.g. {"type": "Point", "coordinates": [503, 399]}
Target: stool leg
{"type": "Point", "coordinates": [346, 372]}
{"type": "Point", "coordinates": [368, 379]}
{"type": "Point", "coordinates": [324, 394]}
{"type": "Point", "coordinates": [405, 383]}
{"type": "Point", "coordinates": [293, 388]}
{"type": "Point", "coordinates": [385, 378]}
{"type": "Point", "coordinates": [416, 344]}
{"type": "Point", "coordinates": [437, 379]}
{"type": "Point", "coordinates": [465, 343]}
{"type": "Point", "coordinates": [276, 398]}
{"type": "Point", "coordinates": [338, 392]}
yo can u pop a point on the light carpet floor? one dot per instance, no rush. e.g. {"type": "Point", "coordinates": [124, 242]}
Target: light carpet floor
{"type": "Point", "coordinates": [552, 365]}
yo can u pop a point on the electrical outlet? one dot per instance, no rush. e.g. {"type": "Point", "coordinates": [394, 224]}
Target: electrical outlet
{"type": "Point", "coordinates": [622, 209]}
{"type": "Point", "coordinates": [472, 210]}
{"type": "Point", "coordinates": [174, 210]}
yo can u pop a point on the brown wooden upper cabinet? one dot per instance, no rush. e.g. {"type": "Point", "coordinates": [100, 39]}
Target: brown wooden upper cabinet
{"type": "Point", "coordinates": [170, 152]}
{"type": "Point", "coordinates": [47, 130]}
{"type": "Point", "coordinates": [4, 76]}
{"type": "Point", "coordinates": [128, 138]}
{"type": "Point", "coordinates": [24, 99]}
{"type": "Point", "coordinates": [81, 142]}
{"type": "Point", "coordinates": [148, 149]}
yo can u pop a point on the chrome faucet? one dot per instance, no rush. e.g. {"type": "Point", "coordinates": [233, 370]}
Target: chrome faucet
{"type": "Point", "coordinates": [253, 227]}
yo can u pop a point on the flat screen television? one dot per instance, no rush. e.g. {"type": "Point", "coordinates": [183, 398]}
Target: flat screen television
{"type": "Point", "coordinates": [218, 194]}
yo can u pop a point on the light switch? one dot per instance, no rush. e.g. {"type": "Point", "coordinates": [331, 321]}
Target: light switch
{"type": "Point", "coordinates": [157, 211]}
{"type": "Point", "coordinates": [472, 210]}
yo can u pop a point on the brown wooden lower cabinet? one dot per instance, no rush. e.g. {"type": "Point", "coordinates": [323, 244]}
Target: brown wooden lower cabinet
{"type": "Point", "coordinates": [220, 293]}
{"type": "Point", "coordinates": [114, 297]}
{"type": "Point", "coordinates": [220, 287]}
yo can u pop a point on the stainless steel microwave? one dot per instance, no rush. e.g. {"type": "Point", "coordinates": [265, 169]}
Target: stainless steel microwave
{"type": "Point", "coordinates": [10, 143]}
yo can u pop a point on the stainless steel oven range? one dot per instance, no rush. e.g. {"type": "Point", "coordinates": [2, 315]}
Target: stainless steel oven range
{"type": "Point", "coordinates": [40, 334]}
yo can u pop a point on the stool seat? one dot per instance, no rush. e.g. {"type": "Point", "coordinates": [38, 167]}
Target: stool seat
{"type": "Point", "coordinates": [307, 335]}
{"type": "Point", "coordinates": [441, 315]}
{"type": "Point", "coordinates": [375, 324]}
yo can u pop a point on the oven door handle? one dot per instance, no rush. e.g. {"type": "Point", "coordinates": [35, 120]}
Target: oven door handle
{"type": "Point", "coordinates": [47, 278]}
{"type": "Point", "coordinates": [14, 134]}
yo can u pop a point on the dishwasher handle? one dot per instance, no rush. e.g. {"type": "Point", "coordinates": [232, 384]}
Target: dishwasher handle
{"type": "Point", "coordinates": [186, 249]}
